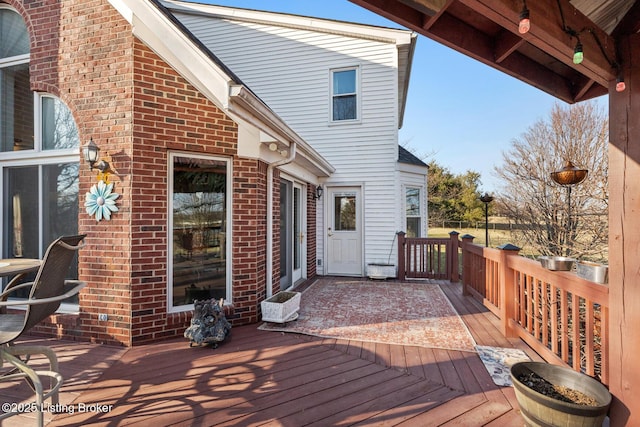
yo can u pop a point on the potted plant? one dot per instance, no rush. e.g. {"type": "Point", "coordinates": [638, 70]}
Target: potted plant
{"type": "Point", "coordinates": [282, 307]}
{"type": "Point", "coordinates": [551, 395]}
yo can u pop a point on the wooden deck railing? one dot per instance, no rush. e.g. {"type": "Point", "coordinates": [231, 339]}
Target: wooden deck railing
{"type": "Point", "coordinates": [428, 258]}
{"type": "Point", "coordinates": [563, 317]}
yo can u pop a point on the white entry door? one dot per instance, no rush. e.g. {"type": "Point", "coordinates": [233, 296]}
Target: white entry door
{"type": "Point", "coordinates": [344, 231]}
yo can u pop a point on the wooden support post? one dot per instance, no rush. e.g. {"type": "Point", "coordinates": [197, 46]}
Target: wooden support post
{"type": "Point", "coordinates": [453, 272]}
{"type": "Point", "coordinates": [624, 238]}
{"type": "Point", "coordinates": [506, 286]}
{"type": "Point", "coordinates": [467, 239]}
{"type": "Point", "coordinates": [401, 256]}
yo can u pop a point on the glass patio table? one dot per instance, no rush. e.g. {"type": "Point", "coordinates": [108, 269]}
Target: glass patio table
{"type": "Point", "coordinates": [17, 268]}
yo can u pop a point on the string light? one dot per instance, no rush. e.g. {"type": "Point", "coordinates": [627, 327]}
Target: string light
{"type": "Point", "coordinates": [578, 55]}
{"type": "Point", "coordinates": [525, 24]}
{"type": "Point", "coordinates": [620, 86]}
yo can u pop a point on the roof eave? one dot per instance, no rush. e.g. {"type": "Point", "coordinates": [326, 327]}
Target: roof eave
{"type": "Point", "coordinates": [403, 84]}
{"type": "Point", "coordinates": [150, 24]}
{"type": "Point", "coordinates": [247, 105]}
{"type": "Point", "coordinates": [351, 29]}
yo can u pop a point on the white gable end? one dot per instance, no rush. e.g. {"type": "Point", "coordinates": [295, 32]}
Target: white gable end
{"type": "Point", "coordinates": [288, 65]}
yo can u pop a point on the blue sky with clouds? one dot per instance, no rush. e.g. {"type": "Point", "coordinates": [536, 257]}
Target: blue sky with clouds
{"type": "Point", "coordinates": [459, 111]}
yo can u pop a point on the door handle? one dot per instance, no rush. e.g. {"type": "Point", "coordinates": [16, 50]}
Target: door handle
{"type": "Point", "coordinates": [301, 237]}
{"type": "Point", "coordinates": [330, 233]}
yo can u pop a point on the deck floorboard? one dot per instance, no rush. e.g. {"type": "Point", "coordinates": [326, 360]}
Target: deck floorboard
{"type": "Point", "coordinates": [274, 379]}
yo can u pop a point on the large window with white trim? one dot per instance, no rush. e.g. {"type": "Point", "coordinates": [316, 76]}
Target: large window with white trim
{"type": "Point", "coordinates": [199, 216]}
{"type": "Point", "coordinates": [39, 148]}
{"type": "Point", "coordinates": [344, 94]}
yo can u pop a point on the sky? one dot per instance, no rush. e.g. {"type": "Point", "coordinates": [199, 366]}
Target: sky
{"type": "Point", "coordinates": [459, 112]}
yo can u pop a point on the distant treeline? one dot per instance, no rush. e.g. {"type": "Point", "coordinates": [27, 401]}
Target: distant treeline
{"type": "Point", "coordinates": [477, 224]}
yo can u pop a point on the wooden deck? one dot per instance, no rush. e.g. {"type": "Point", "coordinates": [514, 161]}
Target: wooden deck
{"type": "Point", "coordinates": [270, 378]}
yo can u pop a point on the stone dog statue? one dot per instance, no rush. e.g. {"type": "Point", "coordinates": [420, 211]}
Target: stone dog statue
{"type": "Point", "coordinates": [209, 324]}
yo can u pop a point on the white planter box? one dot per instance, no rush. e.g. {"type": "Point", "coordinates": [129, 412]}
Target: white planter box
{"type": "Point", "coordinates": [281, 308]}
{"type": "Point", "coordinates": [381, 271]}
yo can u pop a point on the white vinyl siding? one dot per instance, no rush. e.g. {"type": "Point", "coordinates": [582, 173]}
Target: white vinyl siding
{"type": "Point", "coordinates": [290, 69]}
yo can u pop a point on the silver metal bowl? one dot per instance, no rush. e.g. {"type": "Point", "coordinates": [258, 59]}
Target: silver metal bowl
{"type": "Point", "coordinates": [557, 263]}
{"type": "Point", "coordinates": [598, 273]}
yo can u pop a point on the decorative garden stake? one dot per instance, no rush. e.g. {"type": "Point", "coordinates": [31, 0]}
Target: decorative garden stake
{"type": "Point", "coordinates": [100, 201]}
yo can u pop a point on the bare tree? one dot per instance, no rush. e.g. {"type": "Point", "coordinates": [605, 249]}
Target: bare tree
{"type": "Point", "coordinates": [540, 207]}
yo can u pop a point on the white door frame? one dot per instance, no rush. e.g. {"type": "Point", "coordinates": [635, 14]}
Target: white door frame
{"type": "Point", "coordinates": [295, 248]}
{"type": "Point", "coordinates": [298, 223]}
{"type": "Point", "coordinates": [348, 245]}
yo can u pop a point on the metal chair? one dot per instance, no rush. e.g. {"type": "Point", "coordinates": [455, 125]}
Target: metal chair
{"type": "Point", "coordinates": [46, 292]}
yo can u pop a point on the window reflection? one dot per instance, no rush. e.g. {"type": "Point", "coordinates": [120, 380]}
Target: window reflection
{"type": "Point", "coordinates": [345, 212]}
{"type": "Point", "coordinates": [21, 200]}
{"type": "Point", "coordinates": [60, 200]}
{"type": "Point", "coordinates": [199, 230]}
{"type": "Point", "coordinates": [344, 96]}
{"type": "Point", "coordinates": [59, 184]}
{"type": "Point", "coordinates": [412, 203]}
{"type": "Point", "coordinates": [14, 39]}
{"type": "Point", "coordinates": [59, 129]}
{"type": "Point", "coordinates": [16, 108]}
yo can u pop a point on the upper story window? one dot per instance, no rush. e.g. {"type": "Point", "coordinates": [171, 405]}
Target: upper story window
{"type": "Point", "coordinates": [344, 94]}
{"type": "Point", "coordinates": [413, 212]}
{"type": "Point", "coordinates": [14, 40]}
{"type": "Point", "coordinates": [16, 98]}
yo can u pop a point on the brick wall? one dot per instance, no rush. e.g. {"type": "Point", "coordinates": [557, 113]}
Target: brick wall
{"type": "Point", "coordinates": [138, 110]}
{"type": "Point", "coordinates": [81, 51]}
{"type": "Point", "coordinates": [172, 115]}
{"type": "Point", "coordinates": [249, 248]}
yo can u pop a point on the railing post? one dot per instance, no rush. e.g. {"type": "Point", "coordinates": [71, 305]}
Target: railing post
{"type": "Point", "coordinates": [453, 269]}
{"type": "Point", "coordinates": [506, 291]}
{"type": "Point", "coordinates": [401, 255]}
{"type": "Point", "coordinates": [467, 239]}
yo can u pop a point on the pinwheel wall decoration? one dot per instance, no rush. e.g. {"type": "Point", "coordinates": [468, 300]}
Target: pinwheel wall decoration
{"type": "Point", "coordinates": [100, 201]}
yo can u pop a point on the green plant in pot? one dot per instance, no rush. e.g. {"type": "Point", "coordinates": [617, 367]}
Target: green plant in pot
{"type": "Point", "coordinates": [532, 379]}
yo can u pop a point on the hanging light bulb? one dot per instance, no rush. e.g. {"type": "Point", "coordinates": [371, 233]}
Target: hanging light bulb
{"type": "Point", "coordinates": [578, 55]}
{"type": "Point", "coordinates": [620, 86]}
{"type": "Point", "coordinates": [525, 24]}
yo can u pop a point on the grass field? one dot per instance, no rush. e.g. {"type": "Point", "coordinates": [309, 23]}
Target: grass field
{"type": "Point", "coordinates": [496, 237]}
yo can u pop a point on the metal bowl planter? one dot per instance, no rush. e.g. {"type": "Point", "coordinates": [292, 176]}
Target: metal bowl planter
{"type": "Point", "coordinates": [557, 263]}
{"type": "Point", "coordinates": [541, 410]}
{"type": "Point", "coordinates": [281, 308]}
{"type": "Point", "coordinates": [592, 271]}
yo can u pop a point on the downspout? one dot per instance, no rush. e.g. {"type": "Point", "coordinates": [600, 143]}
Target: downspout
{"type": "Point", "coordinates": [270, 168]}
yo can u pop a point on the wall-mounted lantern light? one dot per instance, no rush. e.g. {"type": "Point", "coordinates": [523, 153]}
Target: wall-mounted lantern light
{"type": "Point", "coordinates": [91, 154]}
{"type": "Point", "coordinates": [319, 192]}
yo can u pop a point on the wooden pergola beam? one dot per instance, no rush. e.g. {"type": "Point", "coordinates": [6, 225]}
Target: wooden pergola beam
{"type": "Point", "coordinates": [434, 19]}
{"type": "Point", "coordinates": [428, 7]}
{"type": "Point", "coordinates": [548, 35]}
{"type": "Point", "coordinates": [395, 11]}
